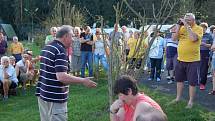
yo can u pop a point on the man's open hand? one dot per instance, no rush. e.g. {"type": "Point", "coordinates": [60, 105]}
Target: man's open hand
{"type": "Point", "coordinates": [89, 83]}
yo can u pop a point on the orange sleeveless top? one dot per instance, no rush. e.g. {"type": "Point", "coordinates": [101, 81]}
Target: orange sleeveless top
{"type": "Point", "coordinates": [129, 110]}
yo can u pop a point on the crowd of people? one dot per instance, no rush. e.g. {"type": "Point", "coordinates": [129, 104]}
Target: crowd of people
{"type": "Point", "coordinates": [188, 48]}
{"type": "Point", "coordinates": [189, 52]}
{"type": "Point", "coordinates": [84, 50]}
{"type": "Point", "coordinates": [17, 66]}
{"type": "Point", "coordinates": [90, 49]}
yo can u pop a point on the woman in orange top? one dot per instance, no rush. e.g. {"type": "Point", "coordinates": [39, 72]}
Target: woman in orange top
{"type": "Point", "coordinates": [32, 71]}
{"type": "Point", "coordinates": [131, 103]}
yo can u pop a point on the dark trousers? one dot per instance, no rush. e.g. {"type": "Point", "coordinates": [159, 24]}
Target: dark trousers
{"type": "Point", "coordinates": [155, 67]}
{"type": "Point", "coordinates": [135, 63]}
{"type": "Point", "coordinates": [18, 57]}
{"type": "Point", "coordinates": [204, 66]}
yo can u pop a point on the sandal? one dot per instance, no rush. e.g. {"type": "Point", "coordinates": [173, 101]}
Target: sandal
{"type": "Point", "coordinates": [212, 92]}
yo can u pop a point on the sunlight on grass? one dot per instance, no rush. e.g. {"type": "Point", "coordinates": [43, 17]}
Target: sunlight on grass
{"type": "Point", "coordinates": [86, 104]}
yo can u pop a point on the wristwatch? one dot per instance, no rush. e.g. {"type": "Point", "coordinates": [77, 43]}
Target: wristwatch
{"type": "Point", "coordinates": [112, 112]}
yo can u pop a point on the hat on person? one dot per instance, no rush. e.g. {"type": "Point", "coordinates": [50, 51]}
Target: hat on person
{"type": "Point", "coordinates": [204, 24]}
{"type": "Point", "coordinates": [29, 52]}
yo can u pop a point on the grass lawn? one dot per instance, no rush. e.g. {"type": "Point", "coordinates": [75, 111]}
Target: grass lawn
{"type": "Point", "coordinates": [92, 105]}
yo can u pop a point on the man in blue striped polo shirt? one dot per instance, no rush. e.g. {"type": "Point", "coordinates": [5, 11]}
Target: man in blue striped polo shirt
{"type": "Point", "coordinates": [52, 88]}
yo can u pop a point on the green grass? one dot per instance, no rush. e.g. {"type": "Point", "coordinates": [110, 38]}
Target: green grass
{"type": "Point", "coordinates": [32, 46]}
{"type": "Point", "coordinates": [86, 104]}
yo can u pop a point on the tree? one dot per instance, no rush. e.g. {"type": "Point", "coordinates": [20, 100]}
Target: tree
{"type": "Point", "coordinates": [117, 65]}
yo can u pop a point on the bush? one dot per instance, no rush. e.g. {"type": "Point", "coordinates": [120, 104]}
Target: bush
{"type": "Point", "coordinates": [40, 40]}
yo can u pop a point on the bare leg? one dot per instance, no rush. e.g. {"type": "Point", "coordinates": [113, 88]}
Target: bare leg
{"type": "Point", "coordinates": [180, 86]}
{"type": "Point", "coordinates": [24, 84]}
{"type": "Point", "coordinates": [24, 87]}
{"type": "Point", "coordinates": [78, 73]}
{"type": "Point", "coordinates": [6, 86]}
{"type": "Point", "coordinates": [214, 80]}
{"type": "Point", "coordinates": [192, 90]}
{"type": "Point", "coordinates": [171, 72]}
{"type": "Point", "coordinates": [212, 92]}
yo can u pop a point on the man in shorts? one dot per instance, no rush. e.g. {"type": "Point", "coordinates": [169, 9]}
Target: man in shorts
{"type": "Point", "coordinates": [189, 36]}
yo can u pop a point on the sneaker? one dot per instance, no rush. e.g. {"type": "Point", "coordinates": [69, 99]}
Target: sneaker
{"type": "Point", "coordinates": [212, 92]}
{"type": "Point", "coordinates": [170, 81]}
{"type": "Point", "coordinates": [150, 79]}
{"type": "Point", "coordinates": [168, 77]}
{"type": "Point", "coordinates": [23, 92]}
{"type": "Point", "coordinates": [145, 68]}
{"type": "Point", "coordinates": [158, 80]}
{"type": "Point", "coordinates": [186, 83]}
{"type": "Point", "coordinates": [209, 75]}
{"type": "Point", "coordinates": [202, 87]}
{"type": "Point", "coordinates": [5, 98]}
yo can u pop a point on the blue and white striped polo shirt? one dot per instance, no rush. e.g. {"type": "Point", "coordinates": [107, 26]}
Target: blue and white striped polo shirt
{"type": "Point", "coordinates": [53, 60]}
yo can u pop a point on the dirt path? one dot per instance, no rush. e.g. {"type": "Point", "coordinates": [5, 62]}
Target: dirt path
{"type": "Point", "coordinates": [201, 98]}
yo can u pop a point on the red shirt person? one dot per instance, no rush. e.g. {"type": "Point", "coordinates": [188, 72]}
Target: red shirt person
{"type": "Point", "coordinates": [131, 103]}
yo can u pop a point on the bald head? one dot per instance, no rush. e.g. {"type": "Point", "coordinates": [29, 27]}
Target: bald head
{"type": "Point", "coordinates": [190, 18]}
{"type": "Point", "coordinates": [190, 15]}
{"type": "Point", "coordinates": [64, 34]}
{"type": "Point", "coordinates": [65, 29]}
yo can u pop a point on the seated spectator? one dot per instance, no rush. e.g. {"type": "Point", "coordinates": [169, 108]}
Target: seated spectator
{"type": "Point", "coordinates": [12, 61]}
{"type": "Point", "coordinates": [7, 76]}
{"type": "Point", "coordinates": [16, 49]}
{"type": "Point", "coordinates": [22, 71]}
{"type": "Point", "coordinates": [131, 103]}
{"type": "Point", "coordinates": [33, 72]}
